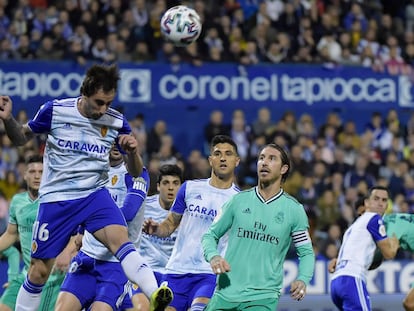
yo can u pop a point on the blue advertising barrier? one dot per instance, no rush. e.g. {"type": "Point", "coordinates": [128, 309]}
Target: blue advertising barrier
{"type": "Point", "coordinates": [183, 95]}
{"type": "Point", "coordinates": [387, 285]}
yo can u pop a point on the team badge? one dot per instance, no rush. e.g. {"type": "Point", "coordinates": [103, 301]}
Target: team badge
{"type": "Point", "coordinates": [34, 247]}
{"type": "Point", "coordinates": [104, 131]}
{"type": "Point", "coordinates": [279, 218]}
{"type": "Point", "coordinates": [114, 179]}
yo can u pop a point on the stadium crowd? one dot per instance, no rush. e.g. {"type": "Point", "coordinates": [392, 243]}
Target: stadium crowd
{"type": "Point", "coordinates": [333, 163]}
{"type": "Point", "coordinates": [374, 33]}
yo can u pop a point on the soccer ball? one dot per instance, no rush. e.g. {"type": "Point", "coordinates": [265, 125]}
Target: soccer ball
{"type": "Point", "coordinates": [181, 25]}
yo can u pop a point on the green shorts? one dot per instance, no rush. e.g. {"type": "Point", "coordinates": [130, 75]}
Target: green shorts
{"type": "Point", "coordinates": [49, 293]}
{"type": "Point", "coordinates": [219, 304]}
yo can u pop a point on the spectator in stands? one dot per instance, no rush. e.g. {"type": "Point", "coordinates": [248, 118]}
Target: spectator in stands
{"type": "Point", "coordinates": [9, 185]}
{"type": "Point", "coordinates": [356, 13]}
{"type": "Point", "coordinates": [262, 122]}
{"type": "Point", "coordinates": [340, 164]}
{"type": "Point", "coordinates": [241, 133]}
{"type": "Point", "coordinates": [375, 128]}
{"type": "Point", "coordinates": [75, 53]}
{"type": "Point", "coordinates": [350, 132]}
{"type": "Point", "coordinates": [4, 23]}
{"type": "Point", "coordinates": [329, 49]}
{"type": "Point", "coordinates": [288, 21]}
{"type": "Point", "coordinates": [141, 53]}
{"type": "Point", "coordinates": [191, 55]}
{"type": "Point", "coordinates": [320, 174]}
{"type": "Point", "coordinates": [167, 153]}
{"type": "Point", "coordinates": [168, 54]}
{"type": "Point", "coordinates": [154, 137]}
{"type": "Point", "coordinates": [6, 51]}
{"type": "Point", "coordinates": [24, 50]}
{"type": "Point", "coordinates": [196, 167]}
{"type": "Point", "coordinates": [359, 173]}
{"type": "Point", "coordinates": [100, 52]}
{"type": "Point", "coordinates": [215, 126]}
{"type": "Point", "coordinates": [47, 51]}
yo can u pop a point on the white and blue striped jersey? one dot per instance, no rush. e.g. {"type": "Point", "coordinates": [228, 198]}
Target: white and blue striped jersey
{"type": "Point", "coordinates": [76, 157]}
{"type": "Point", "coordinates": [156, 251]}
{"type": "Point", "coordinates": [121, 184]}
{"type": "Point", "coordinates": [199, 203]}
{"type": "Point", "coordinates": [358, 246]}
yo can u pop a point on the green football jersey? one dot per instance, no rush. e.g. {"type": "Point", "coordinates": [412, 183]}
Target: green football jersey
{"type": "Point", "coordinates": [23, 212]}
{"type": "Point", "coordinates": [402, 225]}
{"type": "Point", "coordinates": [259, 236]}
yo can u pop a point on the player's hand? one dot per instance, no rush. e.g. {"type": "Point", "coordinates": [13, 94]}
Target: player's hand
{"type": "Point", "coordinates": [6, 106]}
{"type": "Point", "coordinates": [332, 265]}
{"type": "Point", "coordinates": [62, 261]}
{"type": "Point", "coordinates": [297, 290]}
{"type": "Point", "coordinates": [150, 226]}
{"type": "Point", "coordinates": [128, 143]}
{"type": "Point", "coordinates": [219, 265]}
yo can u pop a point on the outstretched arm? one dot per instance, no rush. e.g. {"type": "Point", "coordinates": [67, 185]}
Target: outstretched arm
{"type": "Point", "coordinates": [18, 134]}
{"type": "Point", "coordinates": [9, 237]}
{"type": "Point", "coordinates": [164, 229]}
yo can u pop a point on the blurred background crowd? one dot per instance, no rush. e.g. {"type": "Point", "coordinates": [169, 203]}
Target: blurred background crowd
{"type": "Point", "coordinates": [333, 163]}
{"type": "Point", "coordinates": [371, 33]}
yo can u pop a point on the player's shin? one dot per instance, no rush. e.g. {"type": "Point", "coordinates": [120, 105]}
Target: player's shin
{"type": "Point", "coordinates": [29, 296]}
{"type": "Point", "coordinates": [136, 269]}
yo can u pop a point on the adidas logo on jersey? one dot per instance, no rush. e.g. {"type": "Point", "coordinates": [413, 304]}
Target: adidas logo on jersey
{"type": "Point", "coordinates": [67, 126]}
{"type": "Point", "coordinates": [247, 211]}
{"type": "Point", "coordinates": [198, 197]}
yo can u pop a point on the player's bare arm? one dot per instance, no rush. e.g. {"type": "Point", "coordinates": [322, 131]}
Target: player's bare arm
{"type": "Point", "coordinates": [18, 134]}
{"type": "Point", "coordinates": [9, 237]}
{"type": "Point", "coordinates": [389, 247]}
{"type": "Point", "coordinates": [133, 160]}
{"type": "Point", "coordinates": [164, 229]}
{"type": "Point", "coordinates": [332, 265]}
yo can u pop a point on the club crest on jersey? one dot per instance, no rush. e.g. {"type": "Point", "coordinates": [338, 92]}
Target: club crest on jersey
{"type": "Point", "coordinates": [34, 247]}
{"type": "Point", "coordinates": [104, 131]}
{"type": "Point", "coordinates": [279, 218]}
{"type": "Point", "coordinates": [114, 179]}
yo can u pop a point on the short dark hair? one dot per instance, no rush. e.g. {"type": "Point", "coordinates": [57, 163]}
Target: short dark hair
{"type": "Point", "coordinates": [377, 188]}
{"type": "Point", "coordinates": [283, 156]}
{"type": "Point", "coordinates": [359, 202]}
{"type": "Point", "coordinates": [170, 170]}
{"type": "Point", "coordinates": [34, 159]}
{"type": "Point", "coordinates": [100, 77]}
{"type": "Point", "coordinates": [223, 139]}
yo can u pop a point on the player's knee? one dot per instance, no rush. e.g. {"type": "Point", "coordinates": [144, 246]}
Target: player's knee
{"type": "Point", "coordinates": [39, 270]}
{"type": "Point", "coordinates": [140, 302]}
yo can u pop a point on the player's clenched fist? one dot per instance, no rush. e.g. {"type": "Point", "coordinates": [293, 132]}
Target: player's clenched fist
{"type": "Point", "coordinates": [5, 107]}
{"type": "Point", "coordinates": [128, 143]}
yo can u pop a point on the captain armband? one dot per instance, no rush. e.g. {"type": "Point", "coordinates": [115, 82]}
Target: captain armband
{"type": "Point", "coordinates": [301, 238]}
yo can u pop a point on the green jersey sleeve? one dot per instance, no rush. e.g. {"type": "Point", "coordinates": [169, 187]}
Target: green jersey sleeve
{"type": "Point", "coordinates": [219, 227]}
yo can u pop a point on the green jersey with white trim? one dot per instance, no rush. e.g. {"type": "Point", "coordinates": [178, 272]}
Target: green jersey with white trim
{"type": "Point", "coordinates": [260, 235]}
